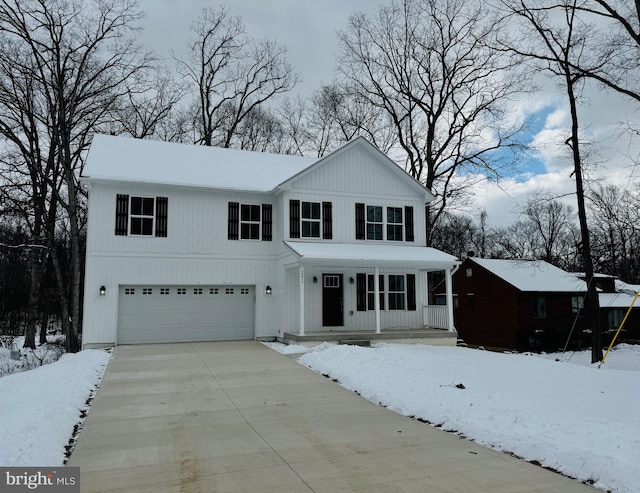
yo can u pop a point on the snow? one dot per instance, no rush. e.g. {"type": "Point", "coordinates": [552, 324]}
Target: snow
{"type": "Point", "coordinates": [148, 161]}
{"type": "Point", "coordinates": [555, 409]}
{"type": "Point", "coordinates": [616, 300]}
{"type": "Point", "coordinates": [533, 275]}
{"type": "Point", "coordinates": [41, 407]}
{"type": "Point", "coordinates": [567, 415]}
{"type": "Point", "coordinates": [392, 254]}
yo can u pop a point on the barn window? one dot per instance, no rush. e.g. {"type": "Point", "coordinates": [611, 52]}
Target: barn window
{"type": "Point", "coordinates": [539, 307]}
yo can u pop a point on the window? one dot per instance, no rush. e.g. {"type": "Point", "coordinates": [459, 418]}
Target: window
{"type": "Point", "coordinates": [165, 291]}
{"type": "Point", "coordinates": [129, 291]}
{"type": "Point", "coordinates": [577, 304]}
{"type": "Point", "coordinates": [181, 290]}
{"type": "Point", "coordinates": [394, 223]}
{"type": "Point", "coordinates": [141, 216]}
{"type": "Point", "coordinates": [371, 293]}
{"type": "Point", "coordinates": [396, 292]}
{"type": "Point", "coordinates": [331, 281]}
{"type": "Point", "coordinates": [250, 221]}
{"type": "Point", "coordinates": [228, 291]}
{"type": "Point", "coordinates": [614, 319]}
{"type": "Point", "coordinates": [197, 290]}
{"type": "Point", "coordinates": [539, 307]}
{"type": "Point", "coordinates": [244, 291]}
{"type": "Point", "coordinates": [310, 219]}
{"type": "Point", "coordinates": [374, 222]}
{"type": "Point", "coordinates": [147, 291]}
{"type": "Point", "coordinates": [213, 290]}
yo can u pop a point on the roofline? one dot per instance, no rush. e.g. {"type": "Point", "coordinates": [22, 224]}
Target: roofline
{"type": "Point", "coordinates": [359, 140]}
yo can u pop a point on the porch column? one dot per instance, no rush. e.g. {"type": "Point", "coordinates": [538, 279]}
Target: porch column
{"type": "Point", "coordinates": [301, 291]}
{"type": "Point", "coordinates": [376, 297]}
{"type": "Point", "coordinates": [449, 289]}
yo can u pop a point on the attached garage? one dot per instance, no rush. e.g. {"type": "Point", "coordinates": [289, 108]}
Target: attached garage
{"type": "Point", "coordinates": [150, 314]}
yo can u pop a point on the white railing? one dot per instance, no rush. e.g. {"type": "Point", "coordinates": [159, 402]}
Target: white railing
{"type": "Point", "coordinates": [435, 316]}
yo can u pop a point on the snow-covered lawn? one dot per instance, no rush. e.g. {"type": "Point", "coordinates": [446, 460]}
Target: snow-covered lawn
{"type": "Point", "coordinates": [567, 415]}
{"type": "Point", "coordinates": [41, 407]}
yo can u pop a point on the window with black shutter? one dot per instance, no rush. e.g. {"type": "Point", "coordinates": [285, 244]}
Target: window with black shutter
{"type": "Point", "coordinates": [122, 214]}
{"type": "Point", "coordinates": [267, 219]}
{"type": "Point", "coordinates": [411, 292]}
{"type": "Point", "coordinates": [408, 223]}
{"type": "Point", "coordinates": [233, 223]}
{"type": "Point", "coordinates": [294, 218]}
{"type": "Point", "coordinates": [360, 222]}
{"type": "Point", "coordinates": [141, 216]}
{"type": "Point", "coordinates": [327, 227]}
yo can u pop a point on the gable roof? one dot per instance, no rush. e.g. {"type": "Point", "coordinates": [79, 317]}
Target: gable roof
{"type": "Point", "coordinates": [117, 158]}
{"type": "Point", "coordinates": [533, 276]}
{"type": "Point", "coordinates": [369, 147]}
{"type": "Point", "coordinates": [114, 158]}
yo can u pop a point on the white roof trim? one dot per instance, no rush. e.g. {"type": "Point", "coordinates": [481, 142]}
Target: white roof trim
{"type": "Point", "coordinates": [370, 255]}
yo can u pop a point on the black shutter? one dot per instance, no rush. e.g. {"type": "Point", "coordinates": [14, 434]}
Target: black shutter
{"type": "Point", "coordinates": [162, 210]}
{"type": "Point", "coordinates": [267, 214]}
{"type": "Point", "coordinates": [122, 214]}
{"type": "Point", "coordinates": [408, 223]}
{"type": "Point", "coordinates": [361, 292]}
{"type": "Point", "coordinates": [234, 220]}
{"type": "Point", "coordinates": [294, 219]}
{"type": "Point", "coordinates": [411, 292]}
{"type": "Point", "coordinates": [381, 289]}
{"type": "Point", "coordinates": [360, 224]}
{"type": "Point", "coordinates": [327, 229]}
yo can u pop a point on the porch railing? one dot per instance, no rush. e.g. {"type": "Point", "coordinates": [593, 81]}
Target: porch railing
{"type": "Point", "coordinates": [435, 316]}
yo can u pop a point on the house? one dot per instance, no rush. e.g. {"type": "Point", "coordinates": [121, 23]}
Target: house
{"type": "Point", "coordinates": [194, 243]}
{"type": "Point", "coordinates": [526, 305]}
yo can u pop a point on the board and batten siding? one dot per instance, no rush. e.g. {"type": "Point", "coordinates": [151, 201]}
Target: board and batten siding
{"type": "Point", "coordinates": [197, 222]}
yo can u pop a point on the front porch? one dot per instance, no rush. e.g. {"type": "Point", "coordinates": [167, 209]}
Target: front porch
{"type": "Point", "coordinates": [435, 337]}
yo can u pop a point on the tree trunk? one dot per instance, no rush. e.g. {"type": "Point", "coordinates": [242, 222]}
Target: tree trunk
{"type": "Point", "coordinates": [591, 303]}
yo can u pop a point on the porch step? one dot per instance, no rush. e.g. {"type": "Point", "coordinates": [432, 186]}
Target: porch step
{"type": "Point", "coordinates": [356, 342]}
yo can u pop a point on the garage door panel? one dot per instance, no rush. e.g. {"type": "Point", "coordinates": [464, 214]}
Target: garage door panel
{"type": "Point", "coordinates": [148, 314]}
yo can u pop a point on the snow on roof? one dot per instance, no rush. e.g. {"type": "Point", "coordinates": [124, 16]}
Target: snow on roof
{"type": "Point", "coordinates": [149, 161]}
{"type": "Point", "coordinates": [372, 255]}
{"type": "Point", "coordinates": [529, 275]}
{"type": "Point", "coordinates": [616, 300]}
{"type": "Point", "coordinates": [624, 287]}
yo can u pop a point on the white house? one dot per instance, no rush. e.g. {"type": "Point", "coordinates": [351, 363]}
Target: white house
{"type": "Point", "coordinates": [194, 243]}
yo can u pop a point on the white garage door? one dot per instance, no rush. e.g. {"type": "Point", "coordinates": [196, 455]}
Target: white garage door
{"type": "Point", "coordinates": [148, 314]}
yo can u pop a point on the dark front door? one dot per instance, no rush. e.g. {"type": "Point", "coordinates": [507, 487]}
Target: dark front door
{"type": "Point", "coordinates": [332, 310]}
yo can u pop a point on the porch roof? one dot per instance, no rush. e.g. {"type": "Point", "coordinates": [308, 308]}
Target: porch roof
{"type": "Point", "coordinates": [370, 255]}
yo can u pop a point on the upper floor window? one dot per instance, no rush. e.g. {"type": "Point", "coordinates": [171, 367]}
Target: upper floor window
{"type": "Point", "coordinates": [373, 222]}
{"type": "Point", "coordinates": [250, 221]}
{"type": "Point", "coordinates": [141, 216]}
{"type": "Point", "coordinates": [310, 219]}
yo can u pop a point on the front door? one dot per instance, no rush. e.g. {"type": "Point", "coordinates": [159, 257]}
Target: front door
{"type": "Point", "coordinates": [332, 300]}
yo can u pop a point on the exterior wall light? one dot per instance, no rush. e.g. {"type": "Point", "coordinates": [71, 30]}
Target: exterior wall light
{"type": "Point", "coordinates": [268, 291]}
{"type": "Point", "coordinates": [315, 279]}
{"type": "Point", "coordinates": [351, 280]}
{"type": "Point", "coordinates": [102, 291]}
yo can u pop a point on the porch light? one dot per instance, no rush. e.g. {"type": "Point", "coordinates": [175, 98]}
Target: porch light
{"type": "Point", "coordinates": [102, 291]}
{"type": "Point", "coordinates": [351, 280]}
{"type": "Point", "coordinates": [315, 280]}
{"type": "Point", "coordinates": [268, 291]}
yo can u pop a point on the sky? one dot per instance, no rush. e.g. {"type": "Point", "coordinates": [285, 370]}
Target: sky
{"type": "Point", "coordinates": [309, 27]}
{"type": "Point", "coordinates": [556, 409]}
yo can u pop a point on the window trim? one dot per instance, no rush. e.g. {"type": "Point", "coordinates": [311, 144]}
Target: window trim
{"type": "Point", "coordinates": [311, 220]}
{"type": "Point", "coordinates": [397, 294]}
{"type": "Point", "coordinates": [395, 226]}
{"type": "Point", "coordinates": [141, 216]}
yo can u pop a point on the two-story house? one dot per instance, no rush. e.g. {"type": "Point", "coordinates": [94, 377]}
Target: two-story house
{"type": "Point", "coordinates": [194, 243]}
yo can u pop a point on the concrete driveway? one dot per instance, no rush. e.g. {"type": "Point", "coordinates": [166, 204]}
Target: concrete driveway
{"type": "Point", "coordinates": [239, 417]}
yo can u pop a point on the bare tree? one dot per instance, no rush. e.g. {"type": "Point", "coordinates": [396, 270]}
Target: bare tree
{"type": "Point", "coordinates": [232, 74]}
{"type": "Point", "coordinates": [76, 59]}
{"type": "Point", "coordinates": [430, 66]}
{"type": "Point", "coordinates": [554, 39]}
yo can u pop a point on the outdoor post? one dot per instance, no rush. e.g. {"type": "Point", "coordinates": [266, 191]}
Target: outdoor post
{"type": "Point", "coordinates": [449, 289]}
{"type": "Point", "coordinates": [376, 301]}
{"type": "Point", "coordinates": [301, 280]}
